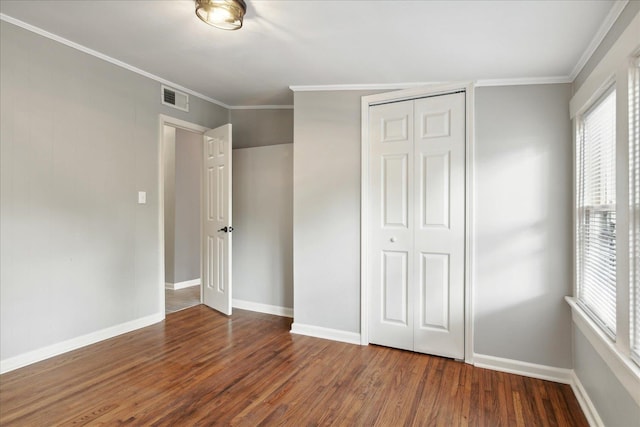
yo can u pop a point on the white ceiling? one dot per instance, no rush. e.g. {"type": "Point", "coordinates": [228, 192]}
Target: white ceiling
{"type": "Point", "coordinates": [315, 42]}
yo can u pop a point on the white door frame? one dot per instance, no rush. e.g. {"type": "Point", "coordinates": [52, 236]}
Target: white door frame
{"type": "Point", "coordinates": [191, 127]}
{"type": "Point", "coordinates": [403, 95]}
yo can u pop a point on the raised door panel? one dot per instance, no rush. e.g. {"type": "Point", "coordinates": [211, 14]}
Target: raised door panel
{"type": "Point", "coordinates": [221, 263]}
{"type": "Point", "coordinates": [434, 291]}
{"type": "Point", "coordinates": [395, 189]}
{"type": "Point", "coordinates": [395, 286]}
{"type": "Point", "coordinates": [220, 194]}
{"type": "Point", "coordinates": [394, 128]}
{"type": "Point", "coordinates": [435, 123]}
{"type": "Point", "coordinates": [210, 267]}
{"type": "Point", "coordinates": [211, 201]}
{"type": "Point", "coordinates": [434, 197]}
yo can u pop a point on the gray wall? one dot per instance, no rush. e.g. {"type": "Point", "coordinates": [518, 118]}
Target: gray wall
{"type": "Point", "coordinates": [613, 402]}
{"type": "Point", "coordinates": [523, 137]}
{"type": "Point", "coordinates": [188, 165]}
{"type": "Point", "coordinates": [80, 138]}
{"type": "Point", "coordinates": [263, 222]}
{"type": "Point", "coordinates": [261, 127]}
{"type": "Point", "coordinates": [326, 209]}
{"type": "Point", "coordinates": [523, 225]}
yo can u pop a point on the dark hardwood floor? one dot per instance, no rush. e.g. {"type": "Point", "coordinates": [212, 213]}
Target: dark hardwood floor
{"type": "Point", "coordinates": [201, 368]}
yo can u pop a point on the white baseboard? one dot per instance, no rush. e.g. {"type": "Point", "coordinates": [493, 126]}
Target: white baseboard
{"type": "Point", "coordinates": [40, 354]}
{"type": "Point", "coordinates": [543, 372]}
{"type": "Point", "coordinates": [326, 333]}
{"type": "Point", "coordinates": [585, 402]}
{"type": "Point", "coordinates": [182, 285]}
{"type": "Point", "coordinates": [263, 308]}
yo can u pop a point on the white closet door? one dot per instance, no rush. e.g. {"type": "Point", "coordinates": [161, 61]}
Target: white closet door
{"type": "Point", "coordinates": [416, 225]}
{"type": "Point", "coordinates": [439, 195]}
{"type": "Point", "coordinates": [391, 222]}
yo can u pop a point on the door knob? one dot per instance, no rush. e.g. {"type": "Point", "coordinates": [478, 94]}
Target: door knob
{"type": "Point", "coordinates": [226, 229]}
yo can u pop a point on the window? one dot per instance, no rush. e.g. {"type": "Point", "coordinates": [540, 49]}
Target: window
{"type": "Point", "coordinates": [634, 206]}
{"type": "Point", "coordinates": [607, 286]}
{"type": "Point", "coordinates": [605, 306]}
{"type": "Point", "coordinates": [596, 216]}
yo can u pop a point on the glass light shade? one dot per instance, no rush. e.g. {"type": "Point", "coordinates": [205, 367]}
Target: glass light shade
{"type": "Point", "coordinates": [224, 14]}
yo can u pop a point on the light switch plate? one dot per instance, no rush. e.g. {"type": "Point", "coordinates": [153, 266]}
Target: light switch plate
{"type": "Point", "coordinates": [142, 197]}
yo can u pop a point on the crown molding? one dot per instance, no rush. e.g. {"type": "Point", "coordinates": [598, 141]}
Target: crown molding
{"type": "Point", "coordinates": [107, 58]}
{"type": "Point", "coordinates": [366, 86]}
{"type": "Point", "coordinates": [604, 29]}
{"type": "Point", "coordinates": [261, 107]}
{"type": "Point", "coordinates": [526, 81]}
{"type": "Point", "coordinates": [398, 86]}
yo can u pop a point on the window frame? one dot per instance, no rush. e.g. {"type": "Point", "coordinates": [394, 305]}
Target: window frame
{"type": "Point", "coordinates": [581, 209]}
{"type": "Point", "coordinates": [634, 207]}
{"type": "Point", "coordinates": [613, 68]}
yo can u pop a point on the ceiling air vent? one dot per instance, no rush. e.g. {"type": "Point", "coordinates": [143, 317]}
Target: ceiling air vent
{"type": "Point", "coordinates": [175, 99]}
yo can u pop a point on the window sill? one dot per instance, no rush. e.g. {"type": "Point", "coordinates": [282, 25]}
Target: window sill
{"type": "Point", "coordinates": [624, 368]}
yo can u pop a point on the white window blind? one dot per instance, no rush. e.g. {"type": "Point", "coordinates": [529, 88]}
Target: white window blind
{"type": "Point", "coordinates": [634, 208]}
{"type": "Point", "coordinates": [596, 204]}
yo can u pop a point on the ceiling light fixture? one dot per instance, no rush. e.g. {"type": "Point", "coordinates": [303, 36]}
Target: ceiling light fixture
{"type": "Point", "coordinates": [224, 14]}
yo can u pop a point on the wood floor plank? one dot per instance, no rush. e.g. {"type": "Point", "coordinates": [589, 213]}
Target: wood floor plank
{"type": "Point", "coordinates": [199, 367]}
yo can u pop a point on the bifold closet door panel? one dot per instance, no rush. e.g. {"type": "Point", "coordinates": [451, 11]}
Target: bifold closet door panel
{"type": "Point", "coordinates": [391, 261]}
{"type": "Point", "coordinates": [439, 207]}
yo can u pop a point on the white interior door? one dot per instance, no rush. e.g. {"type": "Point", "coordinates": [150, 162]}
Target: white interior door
{"type": "Point", "coordinates": [217, 227]}
{"type": "Point", "coordinates": [417, 196]}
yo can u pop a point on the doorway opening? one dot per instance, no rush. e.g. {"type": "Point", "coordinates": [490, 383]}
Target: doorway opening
{"type": "Point", "coordinates": [181, 180]}
{"type": "Point", "coordinates": [263, 177]}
